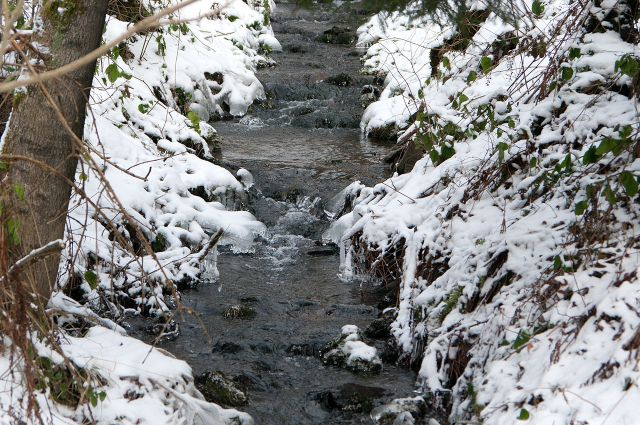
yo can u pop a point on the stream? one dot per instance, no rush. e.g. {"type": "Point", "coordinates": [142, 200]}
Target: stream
{"type": "Point", "coordinates": [302, 146]}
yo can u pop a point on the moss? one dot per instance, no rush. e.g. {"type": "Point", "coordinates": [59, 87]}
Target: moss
{"type": "Point", "coordinates": [60, 12]}
{"type": "Point", "coordinates": [450, 302]}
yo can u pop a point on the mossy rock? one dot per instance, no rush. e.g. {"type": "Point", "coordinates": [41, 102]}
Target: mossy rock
{"type": "Point", "coordinates": [217, 388]}
{"type": "Point", "coordinates": [340, 80]}
{"type": "Point", "coordinates": [239, 311]}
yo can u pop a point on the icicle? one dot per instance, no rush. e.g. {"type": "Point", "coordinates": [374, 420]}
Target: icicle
{"type": "Point", "coordinates": [209, 266]}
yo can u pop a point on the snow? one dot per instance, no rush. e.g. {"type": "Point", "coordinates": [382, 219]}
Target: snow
{"type": "Point", "coordinates": [516, 299]}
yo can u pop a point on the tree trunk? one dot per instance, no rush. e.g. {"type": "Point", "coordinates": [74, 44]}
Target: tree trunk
{"type": "Point", "coordinates": [36, 199]}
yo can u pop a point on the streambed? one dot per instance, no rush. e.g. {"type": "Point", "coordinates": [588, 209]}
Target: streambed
{"type": "Point", "coordinates": [302, 146]}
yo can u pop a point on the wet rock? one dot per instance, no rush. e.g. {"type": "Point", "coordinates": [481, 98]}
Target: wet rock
{"type": "Point", "coordinates": [340, 80]}
{"type": "Point", "coordinates": [164, 331]}
{"type": "Point", "coordinates": [307, 349]}
{"type": "Point", "coordinates": [296, 48]}
{"type": "Point", "coordinates": [250, 381]}
{"type": "Point", "coordinates": [241, 311]}
{"type": "Point", "coordinates": [324, 250]}
{"type": "Point", "coordinates": [226, 347]}
{"type": "Point", "coordinates": [369, 94]}
{"type": "Point", "coordinates": [249, 300]}
{"type": "Point", "coordinates": [350, 397]}
{"type": "Point", "coordinates": [349, 352]}
{"type": "Point", "coordinates": [401, 411]}
{"type": "Point", "coordinates": [338, 35]}
{"type": "Point", "coordinates": [217, 388]}
{"type": "Point", "coordinates": [350, 309]}
{"type": "Point", "coordinates": [379, 328]}
{"type": "Point", "coordinates": [264, 348]}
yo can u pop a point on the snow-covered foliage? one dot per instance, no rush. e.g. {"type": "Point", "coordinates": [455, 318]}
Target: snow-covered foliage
{"type": "Point", "coordinates": [151, 101]}
{"type": "Point", "coordinates": [132, 383]}
{"type": "Point", "coordinates": [515, 237]}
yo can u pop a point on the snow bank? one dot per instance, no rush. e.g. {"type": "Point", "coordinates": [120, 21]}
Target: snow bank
{"type": "Point", "coordinates": [517, 231]}
{"type": "Point", "coordinates": [149, 175]}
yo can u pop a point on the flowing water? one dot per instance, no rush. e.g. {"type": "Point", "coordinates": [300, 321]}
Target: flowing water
{"type": "Point", "coordinates": [302, 146]}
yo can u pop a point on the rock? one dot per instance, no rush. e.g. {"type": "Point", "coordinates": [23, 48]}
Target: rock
{"type": "Point", "coordinates": [324, 250]}
{"type": "Point", "coordinates": [240, 311]}
{"type": "Point", "coordinates": [165, 331]}
{"type": "Point", "coordinates": [349, 398]}
{"type": "Point", "coordinates": [217, 388]}
{"type": "Point", "coordinates": [307, 349]}
{"type": "Point", "coordinates": [386, 134]}
{"type": "Point", "coordinates": [350, 353]}
{"type": "Point", "coordinates": [379, 328]}
{"type": "Point", "coordinates": [401, 411]}
{"type": "Point", "coordinates": [227, 347]}
{"type": "Point", "coordinates": [369, 94]}
{"type": "Point", "coordinates": [250, 381]}
{"type": "Point", "coordinates": [338, 35]}
{"type": "Point", "coordinates": [340, 80]}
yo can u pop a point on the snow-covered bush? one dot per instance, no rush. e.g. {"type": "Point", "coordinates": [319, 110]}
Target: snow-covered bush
{"type": "Point", "coordinates": [516, 234]}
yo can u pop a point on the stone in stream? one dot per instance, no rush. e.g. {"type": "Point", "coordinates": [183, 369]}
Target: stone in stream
{"type": "Point", "coordinates": [350, 353]}
{"type": "Point", "coordinates": [324, 250]}
{"type": "Point", "coordinates": [350, 397]}
{"type": "Point", "coordinates": [340, 80]}
{"type": "Point", "coordinates": [338, 35]}
{"type": "Point", "coordinates": [217, 388]}
{"type": "Point", "coordinates": [240, 311]}
{"type": "Point", "coordinates": [401, 411]}
{"type": "Point", "coordinates": [226, 347]}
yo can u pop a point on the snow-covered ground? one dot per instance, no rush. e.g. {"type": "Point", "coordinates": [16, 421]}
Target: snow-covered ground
{"type": "Point", "coordinates": [517, 232]}
{"type": "Point", "coordinates": [151, 175]}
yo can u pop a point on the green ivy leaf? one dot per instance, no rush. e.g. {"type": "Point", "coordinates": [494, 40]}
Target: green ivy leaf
{"type": "Point", "coordinates": [502, 148]}
{"type": "Point", "coordinates": [472, 76]}
{"type": "Point", "coordinates": [446, 63]}
{"type": "Point", "coordinates": [581, 207]}
{"type": "Point", "coordinates": [92, 279]}
{"type": "Point", "coordinates": [524, 415]}
{"type": "Point", "coordinates": [485, 64]}
{"type": "Point", "coordinates": [628, 65]}
{"type": "Point", "coordinates": [533, 163]}
{"type": "Point", "coordinates": [144, 108]}
{"type": "Point", "coordinates": [610, 195]}
{"type": "Point", "coordinates": [113, 73]}
{"type": "Point", "coordinates": [574, 53]}
{"type": "Point", "coordinates": [567, 73]}
{"type": "Point", "coordinates": [557, 263]}
{"type": "Point", "coordinates": [629, 182]}
{"type": "Point", "coordinates": [537, 8]}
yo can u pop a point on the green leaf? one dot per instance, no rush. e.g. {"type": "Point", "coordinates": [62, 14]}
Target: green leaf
{"type": "Point", "coordinates": [91, 278]}
{"type": "Point", "coordinates": [524, 415]}
{"type": "Point", "coordinates": [607, 145]}
{"type": "Point", "coordinates": [446, 63]}
{"type": "Point", "coordinates": [112, 72]}
{"type": "Point", "coordinates": [574, 53]}
{"type": "Point", "coordinates": [13, 228]}
{"type": "Point", "coordinates": [511, 123]}
{"type": "Point", "coordinates": [629, 182]}
{"type": "Point", "coordinates": [628, 65]}
{"type": "Point", "coordinates": [472, 76]}
{"type": "Point", "coordinates": [610, 195]}
{"type": "Point", "coordinates": [581, 207]}
{"type": "Point", "coordinates": [521, 340]}
{"type": "Point", "coordinates": [144, 108]}
{"type": "Point", "coordinates": [462, 98]}
{"type": "Point", "coordinates": [83, 177]}
{"type": "Point", "coordinates": [567, 73]}
{"type": "Point", "coordinates": [590, 156]}
{"type": "Point", "coordinates": [502, 148]}
{"type": "Point", "coordinates": [446, 152]}
{"type": "Point", "coordinates": [195, 120]}
{"type": "Point", "coordinates": [435, 156]}
{"type": "Point", "coordinates": [533, 163]}
{"type": "Point", "coordinates": [553, 86]}
{"type": "Point", "coordinates": [537, 8]}
{"type": "Point", "coordinates": [485, 64]}
{"type": "Point", "coordinates": [557, 263]}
